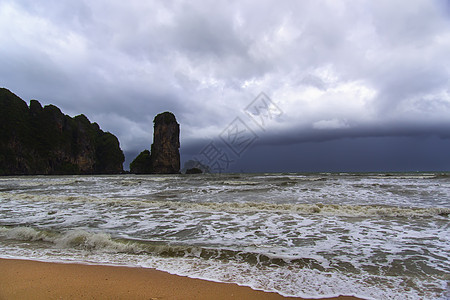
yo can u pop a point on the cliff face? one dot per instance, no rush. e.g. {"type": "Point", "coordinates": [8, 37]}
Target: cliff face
{"type": "Point", "coordinates": [165, 155]}
{"type": "Point", "coordinates": [42, 140]}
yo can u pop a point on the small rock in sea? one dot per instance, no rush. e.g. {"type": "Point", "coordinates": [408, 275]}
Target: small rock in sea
{"type": "Point", "coordinates": [194, 171]}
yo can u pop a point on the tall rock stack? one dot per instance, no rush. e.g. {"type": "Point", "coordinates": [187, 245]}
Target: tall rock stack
{"type": "Point", "coordinates": [165, 154]}
{"type": "Point", "coordinates": [164, 157]}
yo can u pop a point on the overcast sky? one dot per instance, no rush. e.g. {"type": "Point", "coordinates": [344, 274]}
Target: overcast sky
{"type": "Point", "coordinates": [347, 85]}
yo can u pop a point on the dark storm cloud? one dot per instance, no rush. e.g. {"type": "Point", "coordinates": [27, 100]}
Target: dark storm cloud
{"type": "Point", "coordinates": [365, 154]}
{"type": "Point", "coordinates": [336, 69]}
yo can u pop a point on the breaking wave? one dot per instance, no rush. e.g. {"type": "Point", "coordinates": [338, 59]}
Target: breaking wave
{"type": "Point", "coordinates": [103, 242]}
{"type": "Point", "coordinates": [78, 239]}
{"type": "Point", "coordinates": [252, 268]}
{"type": "Point", "coordinates": [319, 209]}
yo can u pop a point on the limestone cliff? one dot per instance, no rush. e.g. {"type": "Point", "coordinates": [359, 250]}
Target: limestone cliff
{"type": "Point", "coordinates": [42, 140]}
{"type": "Point", "coordinates": [165, 155]}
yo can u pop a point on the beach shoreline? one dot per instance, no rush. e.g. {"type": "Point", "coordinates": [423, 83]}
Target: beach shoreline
{"type": "Point", "coordinates": [29, 279]}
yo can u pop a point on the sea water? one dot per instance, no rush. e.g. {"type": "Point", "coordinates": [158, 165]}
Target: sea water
{"type": "Point", "coordinates": [376, 236]}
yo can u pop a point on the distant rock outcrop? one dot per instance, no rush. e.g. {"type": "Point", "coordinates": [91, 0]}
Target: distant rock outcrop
{"type": "Point", "coordinates": [165, 155]}
{"type": "Point", "coordinates": [194, 164]}
{"type": "Point", "coordinates": [42, 140]}
{"type": "Point", "coordinates": [194, 171]}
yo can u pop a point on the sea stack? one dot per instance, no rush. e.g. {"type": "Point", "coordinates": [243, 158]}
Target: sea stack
{"type": "Point", "coordinates": [165, 154]}
{"type": "Point", "coordinates": [164, 157]}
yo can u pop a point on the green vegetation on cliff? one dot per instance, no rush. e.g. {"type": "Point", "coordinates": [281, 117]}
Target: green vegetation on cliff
{"type": "Point", "coordinates": [42, 140]}
{"type": "Point", "coordinates": [142, 164]}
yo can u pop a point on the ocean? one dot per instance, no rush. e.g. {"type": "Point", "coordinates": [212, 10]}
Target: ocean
{"type": "Point", "coordinates": [372, 235]}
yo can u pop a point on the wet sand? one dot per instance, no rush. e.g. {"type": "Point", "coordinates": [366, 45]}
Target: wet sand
{"type": "Point", "coordinates": [25, 279]}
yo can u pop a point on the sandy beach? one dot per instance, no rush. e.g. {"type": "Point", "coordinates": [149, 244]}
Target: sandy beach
{"type": "Point", "coordinates": [25, 279]}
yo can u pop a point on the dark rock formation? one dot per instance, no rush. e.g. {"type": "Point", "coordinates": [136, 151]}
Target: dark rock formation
{"type": "Point", "coordinates": [42, 140]}
{"type": "Point", "coordinates": [194, 171]}
{"type": "Point", "coordinates": [165, 154]}
{"type": "Point", "coordinates": [142, 164]}
{"type": "Point", "coordinates": [194, 164]}
{"type": "Point", "coordinates": [166, 144]}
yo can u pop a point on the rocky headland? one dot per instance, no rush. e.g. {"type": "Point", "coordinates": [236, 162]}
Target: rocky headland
{"type": "Point", "coordinates": [43, 140]}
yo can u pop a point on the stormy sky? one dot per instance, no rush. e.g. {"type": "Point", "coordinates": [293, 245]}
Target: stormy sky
{"type": "Point", "coordinates": [257, 86]}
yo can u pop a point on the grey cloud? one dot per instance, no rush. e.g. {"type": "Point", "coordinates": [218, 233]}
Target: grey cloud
{"type": "Point", "coordinates": [397, 23]}
{"type": "Point", "coordinates": [200, 32]}
{"type": "Point", "coordinates": [311, 80]}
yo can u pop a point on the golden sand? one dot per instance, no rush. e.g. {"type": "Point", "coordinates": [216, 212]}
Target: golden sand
{"type": "Point", "coordinates": [24, 279]}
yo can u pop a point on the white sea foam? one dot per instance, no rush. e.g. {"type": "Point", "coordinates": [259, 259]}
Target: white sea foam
{"type": "Point", "coordinates": [302, 208]}
{"type": "Point", "coordinates": [288, 281]}
{"type": "Point", "coordinates": [22, 233]}
{"type": "Point", "coordinates": [383, 237]}
{"type": "Point", "coordinates": [73, 239]}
